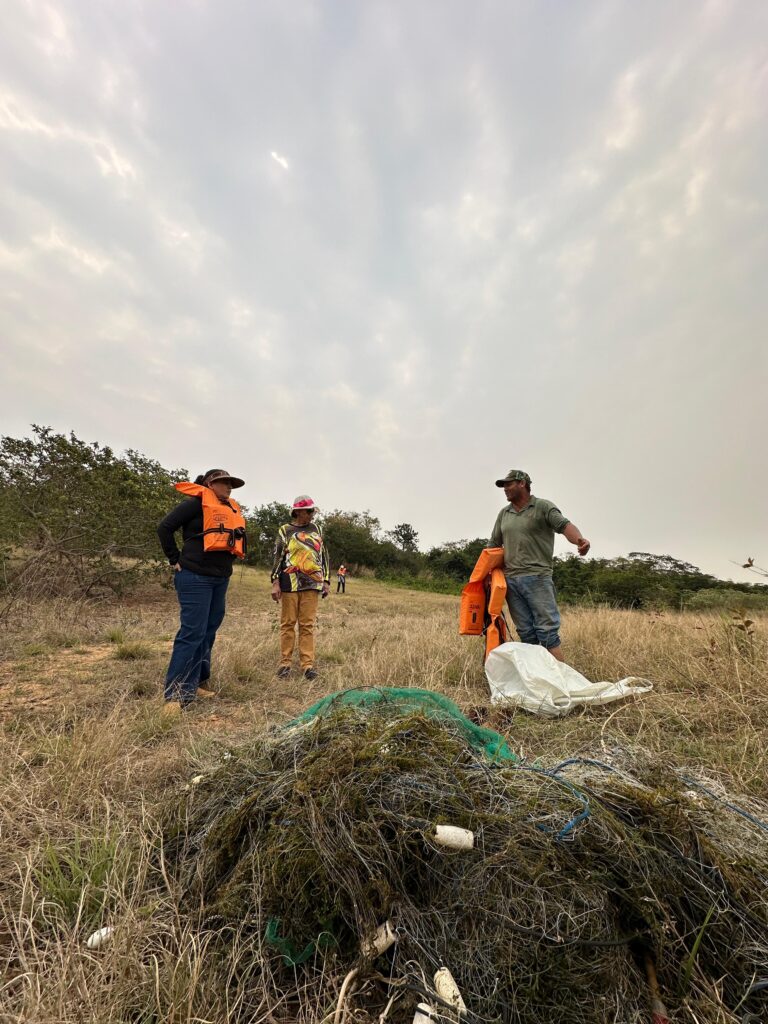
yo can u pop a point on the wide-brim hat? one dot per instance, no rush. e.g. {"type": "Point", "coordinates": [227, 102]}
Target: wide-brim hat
{"type": "Point", "coordinates": [512, 475]}
{"type": "Point", "coordinates": [221, 475]}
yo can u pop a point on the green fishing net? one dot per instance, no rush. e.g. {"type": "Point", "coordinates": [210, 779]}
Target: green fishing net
{"type": "Point", "coordinates": [410, 699]}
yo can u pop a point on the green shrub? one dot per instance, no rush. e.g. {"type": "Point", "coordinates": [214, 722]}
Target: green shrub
{"type": "Point", "coordinates": [725, 599]}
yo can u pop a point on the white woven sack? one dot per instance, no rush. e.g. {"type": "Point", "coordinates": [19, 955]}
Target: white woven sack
{"type": "Point", "coordinates": [529, 677]}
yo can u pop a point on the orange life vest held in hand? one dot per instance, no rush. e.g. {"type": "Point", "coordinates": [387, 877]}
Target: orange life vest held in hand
{"type": "Point", "coordinates": [223, 524]}
{"type": "Point", "coordinates": [482, 600]}
{"type": "Point", "coordinates": [495, 623]}
{"type": "Point", "coordinates": [474, 597]}
{"type": "Point", "coordinates": [472, 609]}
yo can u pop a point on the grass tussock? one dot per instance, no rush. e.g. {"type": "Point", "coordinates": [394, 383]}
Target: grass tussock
{"type": "Point", "coordinates": [87, 761]}
{"type": "Point", "coordinates": [132, 650]}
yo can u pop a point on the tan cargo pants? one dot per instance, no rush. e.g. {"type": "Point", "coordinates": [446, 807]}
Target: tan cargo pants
{"type": "Point", "coordinates": [298, 607]}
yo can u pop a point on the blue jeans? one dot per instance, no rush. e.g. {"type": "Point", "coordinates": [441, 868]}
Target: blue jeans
{"type": "Point", "coordinates": [533, 607]}
{"type": "Point", "coordinates": [202, 600]}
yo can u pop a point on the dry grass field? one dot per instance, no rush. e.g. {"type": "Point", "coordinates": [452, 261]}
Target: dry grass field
{"type": "Point", "coordinates": [86, 757]}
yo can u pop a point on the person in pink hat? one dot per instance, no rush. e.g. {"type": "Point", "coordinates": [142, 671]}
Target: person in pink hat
{"type": "Point", "coordinates": [301, 572]}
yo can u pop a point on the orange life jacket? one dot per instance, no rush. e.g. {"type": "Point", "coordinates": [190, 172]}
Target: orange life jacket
{"type": "Point", "coordinates": [496, 625]}
{"type": "Point", "coordinates": [482, 600]}
{"type": "Point", "coordinates": [472, 609]}
{"type": "Point", "coordinates": [490, 559]}
{"type": "Point", "coordinates": [223, 526]}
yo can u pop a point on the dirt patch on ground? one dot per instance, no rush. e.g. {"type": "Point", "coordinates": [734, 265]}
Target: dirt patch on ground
{"type": "Point", "coordinates": [42, 681]}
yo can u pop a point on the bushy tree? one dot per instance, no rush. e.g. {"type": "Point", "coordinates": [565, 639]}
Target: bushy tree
{"type": "Point", "coordinates": [353, 538]}
{"type": "Point", "coordinates": [574, 578]}
{"type": "Point", "coordinates": [404, 537]}
{"type": "Point", "coordinates": [456, 559]}
{"type": "Point", "coordinates": [262, 525]}
{"type": "Point", "coordinates": [74, 516]}
{"type": "Point", "coordinates": [624, 585]}
{"type": "Point", "coordinates": [664, 563]}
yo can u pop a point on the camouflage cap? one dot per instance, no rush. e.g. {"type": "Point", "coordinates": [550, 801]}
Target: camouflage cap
{"type": "Point", "coordinates": [514, 474]}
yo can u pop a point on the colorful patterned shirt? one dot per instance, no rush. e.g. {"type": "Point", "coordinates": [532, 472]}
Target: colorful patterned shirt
{"type": "Point", "coordinates": [301, 559]}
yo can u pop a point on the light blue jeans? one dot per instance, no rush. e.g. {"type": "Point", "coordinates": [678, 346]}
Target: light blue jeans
{"type": "Point", "coordinates": [533, 607]}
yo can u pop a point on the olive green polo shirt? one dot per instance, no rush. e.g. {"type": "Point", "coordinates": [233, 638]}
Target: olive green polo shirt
{"type": "Point", "coordinates": [528, 537]}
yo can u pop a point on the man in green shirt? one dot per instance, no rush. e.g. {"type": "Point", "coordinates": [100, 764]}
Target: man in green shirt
{"type": "Point", "coordinates": [526, 529]}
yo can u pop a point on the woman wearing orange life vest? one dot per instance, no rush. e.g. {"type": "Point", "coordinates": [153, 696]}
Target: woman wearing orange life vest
{"type": "Point", "coordinates": [213, 531]}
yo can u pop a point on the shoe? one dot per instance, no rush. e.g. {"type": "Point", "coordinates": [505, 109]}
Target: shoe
{"type": "Point", "coordinates": [310, 673]}
{"type": "Point", "coordinates": [171, 709]}
{"type": "Point", "coordinates": [203, 691]}
{"type": "Point", "coordinates": [284, 671]}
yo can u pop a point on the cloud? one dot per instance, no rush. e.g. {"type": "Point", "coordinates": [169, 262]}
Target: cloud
{"type": "Point", "coordinates": [75, 256]}
{"type": "Point", "coordinates": [18, 118]}
{"type": "Point", "coordinates": [627, 115]}
{"type": "Point", "coordinates": [342, 394]}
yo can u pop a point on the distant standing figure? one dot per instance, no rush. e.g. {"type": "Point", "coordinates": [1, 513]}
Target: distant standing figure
{"type": "Point", "coordinates": [213, 532]}
{"type": "Point", "coordinates": [300, 573]}
{"type": "Point", "coordinates": [341, 579]}
{"type": "Point", "coordinates": [526, 529]}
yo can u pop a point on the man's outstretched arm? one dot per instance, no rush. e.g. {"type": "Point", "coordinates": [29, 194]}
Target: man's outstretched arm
{"type": "Point", "coordinates": [573, 535]}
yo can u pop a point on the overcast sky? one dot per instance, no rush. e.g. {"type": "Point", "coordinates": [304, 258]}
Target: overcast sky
{"type": "Point", "coordinates": [381, 252]}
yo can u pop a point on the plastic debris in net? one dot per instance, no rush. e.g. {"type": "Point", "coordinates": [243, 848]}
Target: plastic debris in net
{"type": "Point", "coordinates": [529, 677]}
{"type": "Point", "coordinates": [292, 956]}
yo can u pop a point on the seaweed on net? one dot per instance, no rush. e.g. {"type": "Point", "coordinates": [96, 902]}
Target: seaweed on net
{"type": "Point", "coordinates": [313, 836]}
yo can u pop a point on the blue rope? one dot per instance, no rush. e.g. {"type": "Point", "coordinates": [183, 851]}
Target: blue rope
{"type": "Point", "coordinates": [582, 760]}
{"type": "Point", "coordinates": [726, 803]}
{"type": "Point", "coordinates": [753, 1018]}
{"type": "Point", "coordinates": [583, 814]}
{"type": "Point", "coordinates": [606, 767]}
{"type": "Point", "coordinates": [574, 822]}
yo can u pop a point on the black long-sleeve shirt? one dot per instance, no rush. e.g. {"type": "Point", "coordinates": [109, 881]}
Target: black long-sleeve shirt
{"type": "Point", "coordinates": [188, 517]}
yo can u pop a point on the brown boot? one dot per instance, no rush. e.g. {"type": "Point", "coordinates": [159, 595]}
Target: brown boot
{"type": "Point", "coordinates": [203, 691]}
{"type": "Point", "coordinates": [171, 709]}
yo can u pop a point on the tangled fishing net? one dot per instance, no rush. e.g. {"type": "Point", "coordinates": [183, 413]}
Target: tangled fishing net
{"type": "Point", "coordinates": [308, 839]}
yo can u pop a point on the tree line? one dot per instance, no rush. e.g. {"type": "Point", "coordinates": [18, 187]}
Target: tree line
{"type": "Point", "coordinates": [78, 518]}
